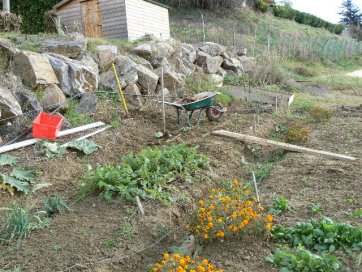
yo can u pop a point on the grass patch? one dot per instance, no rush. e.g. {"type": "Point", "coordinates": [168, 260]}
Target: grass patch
{"type": "Point", "coordinates": [146, 174]}
{"type": "Point", "coordinates": [75, 117]}
{"type": "Point", "coordinates": [54, 205]}
{"type": "Point", "coordinates": [224, 98]}
{"type": "Point", "coordinates": [198, 84]}
{"type": "Point", "coordinates": [262, 170]}
{"type": "Point", "coordinates": [18, 222]}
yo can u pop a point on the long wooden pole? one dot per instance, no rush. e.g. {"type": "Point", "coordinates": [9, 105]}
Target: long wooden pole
{"type": "Point", "coordinates": [120, 89]}
{"type": "Point", "coordinates": [256, 140]}
{"type": "Point", "coordinates": [163, 103]}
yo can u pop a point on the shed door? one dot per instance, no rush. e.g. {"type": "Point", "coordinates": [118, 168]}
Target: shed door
{"type": "Point", "coordinates": [92, 21]}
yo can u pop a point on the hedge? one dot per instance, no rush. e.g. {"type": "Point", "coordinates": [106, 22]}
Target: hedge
{"type": "Point", "coordinates": [306, 18]}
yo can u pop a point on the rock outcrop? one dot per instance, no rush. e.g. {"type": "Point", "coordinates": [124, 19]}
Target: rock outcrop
{"type": "Point", "coordinates": [34, 69]}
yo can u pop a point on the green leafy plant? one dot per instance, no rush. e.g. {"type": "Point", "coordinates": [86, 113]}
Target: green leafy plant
{"type": "Point", "coordinates": [356, 214]}
{"type": "Point", "coordinates": [8, 160]}
{"type": "Point", "coordinates": [261, 6]}
{"type": "Point", "coordinates": [315, 208]}
{"type": "Point", "coordinates": [323, 235]}
{"type": "Point", "coordinates": [126, 230]}
{"type": "Point", "coordinates": [55, 204]}
{"type": "Point", "coordinates": [279, 205]}
{"type": "Point", "coordinates": [302, 260]}
{"type": "Point", "coordinates": [18, 222]}
{"type": "Point", "coordinates": [146, 174]}
{"type": "Point", "coordinates": [86, 146]}
{"type": "Point", "coordinates": [51, 149]}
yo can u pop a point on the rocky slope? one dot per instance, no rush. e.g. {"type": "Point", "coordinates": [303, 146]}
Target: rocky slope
{"type": "Point", "coordinates": [63, 68]}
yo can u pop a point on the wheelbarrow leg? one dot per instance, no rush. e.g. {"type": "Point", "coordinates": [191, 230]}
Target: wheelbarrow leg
{"type": "Point", "coordinates": [178, 116]}
{"type": "Point", "coordinates": [188, 118]}
{"type": "Point", "coordinates": [198, 117]}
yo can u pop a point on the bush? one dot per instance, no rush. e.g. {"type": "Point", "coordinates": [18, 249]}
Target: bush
{"type": "Point", "coordinates": [261, 6]}
{"type": "Point", "coordinates": [147, 173]}
{"type": "Point", "coordinates": [228, 211]}
{"type": "Point", "coordinates": [297, 132]}
{"type": "Point", "coordinates": [320, 114]}
{"type": "Point", "coordinates": [176, 262]}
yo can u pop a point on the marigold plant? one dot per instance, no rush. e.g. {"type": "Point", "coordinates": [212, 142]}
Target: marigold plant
{"type": "Point", "coordinates": [178, 263]}
{"type": "Point", "coordinates": [228, 211]}
{"type": "Point", "coordinates": [297, 133]}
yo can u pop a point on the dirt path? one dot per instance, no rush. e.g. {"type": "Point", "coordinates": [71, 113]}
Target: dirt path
{"type": "Point", "coordinates": [357, 73]}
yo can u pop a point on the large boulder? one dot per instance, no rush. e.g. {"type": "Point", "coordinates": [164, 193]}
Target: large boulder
{"type": "Point", "coordinates": [106, 55]}
{"type": "Point", "coordinates": [28, 100]}
{"type": "Point", "coordinates": [184, 65]}
{"type": "Point", "coordinates": [233, 65]}
{"type": "Point", "coordinates": [127, 74]}
{"type": "Point", "coordinates": [248, 63]}
{"type": "Point", "coordinates": [142, 61]}
{"type": "Point", "coordinates": [34, 69]}
{"type": "Point", "coordinates": [171, 79]}
{"type": "Point", "coordinates": [189, 51]}
{"type": "Point", "coordinates": [90, 62]}
{"type": "Point", "coordinates": [70, 49]}
{"type": "Point", "coordinates": [74, 77]}
{"type": "Point", "coordinates": [143, 50]}
{"type": "Point", "coordinates": [135, 99]}
{"type": "Point", "coordinates": [164, 49]}
{"type": "Point", "coordinates": [7, 53]}
{"type": "Point", "coordinates": [212, 49]}
{"type": "Point", "coordinates": [9, 106]}
{"type": "Point", "coordinates": [88, 104]}
{"type": "Point", "coordinates": [147, 79]}
{"type": "Point", "coordinates": [209, 64]}
{"type": "Point", "coordinates": [215, 79]}
{"type": "Point", "coordinates": [159, 61]}
{"type": "Point", "coordinates": [53, 98]}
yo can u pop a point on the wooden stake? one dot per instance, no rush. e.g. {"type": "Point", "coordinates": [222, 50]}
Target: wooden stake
{"type": "Point", "coordinates": [140, 206]}
{"type": "Point", "coordinates": [163, 104]}
{"type": "Point", "coordinates": [256, 187]}
{"type": "Point", "coordinates": [203, 27]}
{"type": "Point", "coordinates": [256, 140]}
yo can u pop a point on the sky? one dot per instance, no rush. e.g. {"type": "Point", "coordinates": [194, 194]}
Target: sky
{"type": "Point", "coordinates": [325, 9]}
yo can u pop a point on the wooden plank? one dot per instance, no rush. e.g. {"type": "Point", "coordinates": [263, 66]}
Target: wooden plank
{"type": "Point", "coordinates": [87, 136]}
{"type": "Point", "coordinates": [10, 147]}
{"type": "Point", "coordinates": [256, 140]}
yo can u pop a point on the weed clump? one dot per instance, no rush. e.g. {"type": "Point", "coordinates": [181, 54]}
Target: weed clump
{"type": "Point", "coordinates": [54, 205]}
{"type": "Point", "coordinates": [18, 222]}
{"type": "Point", "coordinates": [319, 114]}
{"type": "Point", "coordinates": [146, 174]}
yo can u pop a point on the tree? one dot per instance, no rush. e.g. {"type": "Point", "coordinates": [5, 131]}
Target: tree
{"type": "Point", "coordinates": [6, 6]}
{"type": "Point", "coordinates": [351, 14]}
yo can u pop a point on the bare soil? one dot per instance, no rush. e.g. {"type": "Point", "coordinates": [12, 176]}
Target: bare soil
{"type": "Point", "coordinates": [91, 237]}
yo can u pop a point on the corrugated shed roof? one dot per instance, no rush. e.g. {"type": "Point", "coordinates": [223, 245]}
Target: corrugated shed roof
{"type": "Point", "coordinates": [62, 3]}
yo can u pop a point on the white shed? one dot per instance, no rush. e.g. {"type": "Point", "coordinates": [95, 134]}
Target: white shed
{"type": "Point", "coordinates": [124, 19]}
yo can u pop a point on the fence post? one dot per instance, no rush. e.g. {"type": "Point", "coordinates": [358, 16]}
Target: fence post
{"type": "Point", "coordinates": [203, 27]}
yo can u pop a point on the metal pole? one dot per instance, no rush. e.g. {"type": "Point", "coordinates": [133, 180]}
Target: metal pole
{"type": "Point", "coordinates": [163, 103]}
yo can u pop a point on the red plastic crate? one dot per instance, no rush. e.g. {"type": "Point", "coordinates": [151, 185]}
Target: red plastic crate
{"type": "Point", "coordinates": [47, 126]}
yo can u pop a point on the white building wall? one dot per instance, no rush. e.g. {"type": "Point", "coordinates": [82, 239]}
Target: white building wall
{"type": "Point", "coordinates": [146, 18]}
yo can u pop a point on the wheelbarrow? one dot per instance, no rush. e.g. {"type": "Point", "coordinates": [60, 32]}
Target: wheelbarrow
{"type": "Point", "coordinates": [202, 101]}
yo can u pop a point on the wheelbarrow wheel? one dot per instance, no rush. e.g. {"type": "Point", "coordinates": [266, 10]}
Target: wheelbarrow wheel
{"type": "Point", "coordinates": [215, 112]}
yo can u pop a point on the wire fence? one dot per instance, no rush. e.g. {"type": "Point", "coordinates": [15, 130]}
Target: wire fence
{"type": "Point", "coordinates": [268, 40]}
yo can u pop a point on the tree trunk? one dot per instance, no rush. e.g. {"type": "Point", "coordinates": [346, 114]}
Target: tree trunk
{"type": "Point", "coordinates": [6, 6]}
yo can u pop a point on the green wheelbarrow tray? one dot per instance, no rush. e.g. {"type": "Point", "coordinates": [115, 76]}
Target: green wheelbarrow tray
{"type": "Point", "coordinates": [201, 101]}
